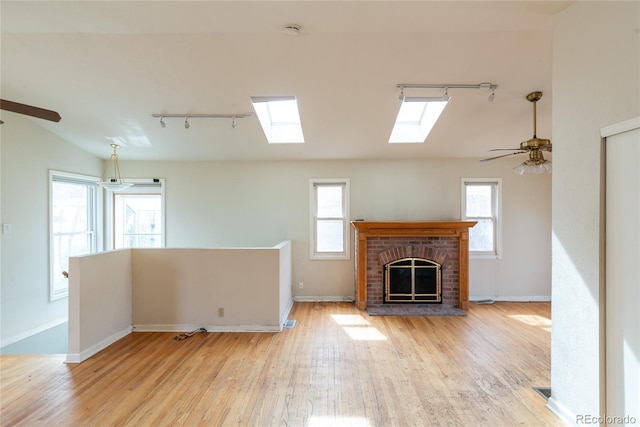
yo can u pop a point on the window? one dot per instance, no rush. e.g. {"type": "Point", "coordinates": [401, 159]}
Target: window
{"type": "Point", "coordinates": [416, 118]}
{"type": "Point", "coordinates": [279, 118]}
{"type": "Point", "coordinates": [329, 208]}
{"type": "Point", "coordinates": [136, 215]}
{"type": "Point", "coordinates": [73, 224]}
{"type": "Point", "coordinates": [481, 203]}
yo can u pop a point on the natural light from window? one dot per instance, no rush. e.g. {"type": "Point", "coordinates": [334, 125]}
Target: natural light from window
{"type": "Point", "coordinates": [533, 320]}
{"type": "Point", "coordinates": [279, 118]}
{"type": "Point", "coordinates": [416, 118]}
{"type": "Point", "coordinates": [337, 421]}
{"type": "Point", "coordinates": [137, 221]}
{"type": "Point", "coordinates": [73, 224]}
{"type": "Point", "coordinates": [358, 328]}
{"type": "Point", "coordinates": [481, 203]}
{"type": "Point", "coordinates": [329, 218]}
{"type": "Point", "coordinates": [349, 320]}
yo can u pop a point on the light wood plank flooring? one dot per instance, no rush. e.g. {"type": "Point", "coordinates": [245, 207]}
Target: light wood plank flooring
{"type": "Point", "coordinates": [337, 367]}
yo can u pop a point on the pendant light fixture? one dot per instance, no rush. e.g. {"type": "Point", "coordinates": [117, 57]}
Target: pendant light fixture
{"type": "Point", "coordinates": [116, 183]}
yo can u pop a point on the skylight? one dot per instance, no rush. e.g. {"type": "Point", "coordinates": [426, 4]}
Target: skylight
{"type": "Point", "coordinates": [416, 118]}
{"type": "Point", "coordinates": [279, 118]}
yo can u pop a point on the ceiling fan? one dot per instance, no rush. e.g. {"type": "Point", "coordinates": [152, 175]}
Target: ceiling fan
{"type": "Point", "coordinates": [534, 146]}
{"type": "Point", "coordinates": [29, 110]}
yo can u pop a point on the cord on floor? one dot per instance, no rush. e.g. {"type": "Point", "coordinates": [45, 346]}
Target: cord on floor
{"type": "Point", "coordinates": [186, 335]}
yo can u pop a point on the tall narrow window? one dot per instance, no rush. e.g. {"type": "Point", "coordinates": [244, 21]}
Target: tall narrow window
{"type": "Point", "coordinates": [481, 203]}
{"type": "Point", "coordinates": [329, 207]}
{"type": "Point", "coordinates": [136, 215]}
{"type": "Point", "coordinates": [73, 218]}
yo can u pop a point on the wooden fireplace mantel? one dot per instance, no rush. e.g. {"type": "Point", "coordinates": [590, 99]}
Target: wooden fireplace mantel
{"type": "Point", "coordinates": [366, 229]}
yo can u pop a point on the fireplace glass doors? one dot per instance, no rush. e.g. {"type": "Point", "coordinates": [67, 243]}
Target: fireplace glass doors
{"type": "Point", "coordinates": [412, 280]}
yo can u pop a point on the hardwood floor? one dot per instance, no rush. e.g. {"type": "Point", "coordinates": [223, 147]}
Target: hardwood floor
{"type": "Point", "coordinates": [337, 367]}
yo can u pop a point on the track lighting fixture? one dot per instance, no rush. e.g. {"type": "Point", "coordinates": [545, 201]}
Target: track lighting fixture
{"type": "Point", "coordinates": [446, 96]}
{"type": "Point", "coordinates": [188, 117]}
{"type": "Point", "coordinates": [488, 86]}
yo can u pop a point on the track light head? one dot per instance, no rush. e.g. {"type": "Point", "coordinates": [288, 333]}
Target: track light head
{"type": "Point", "coordinates": [233, 123]}
{"type": "Point", "coordinates": [401, 96]}
{"type": "Point", "coordinates": [493, 95]}
{"type": "Point", "coordinates": [162, 123]}
{"type": "Point", "coordinates": [446, 96]}
{"type": "Point", "coordinates": [186, 122]}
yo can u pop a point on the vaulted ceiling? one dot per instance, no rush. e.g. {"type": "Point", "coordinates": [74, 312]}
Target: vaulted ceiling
{"type": "Point", "coordinates": [106, 67]}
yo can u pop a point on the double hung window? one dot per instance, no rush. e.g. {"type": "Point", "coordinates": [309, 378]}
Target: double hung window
{"type": "Point", "coordinates": [329, 207]}
{"type": "Point", "coordinates": [73, 224]}
{"type": "Point", "coordinates": [136, 215]}
{"type": "Point", "coordinates": [481, 203]}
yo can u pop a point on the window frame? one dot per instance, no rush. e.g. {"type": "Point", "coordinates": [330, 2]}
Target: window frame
{"type": "Point", "coordinates": [314, 183]}
{"type": "Point", "coordinates": [142, 186]}
{"type": "Point", "coordinates": [496, 217]}
{"type": "Point", "coordinates": [94, 220]}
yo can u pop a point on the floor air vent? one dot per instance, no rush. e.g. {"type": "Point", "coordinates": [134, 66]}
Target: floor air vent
{"type": "Point", "coordinates": [290, 323]}
{"type": "Point", "coordinates": [544, 391]}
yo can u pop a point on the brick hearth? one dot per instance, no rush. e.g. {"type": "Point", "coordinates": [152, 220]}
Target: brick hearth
{"type": "Point", "coordinates": [445, 242]}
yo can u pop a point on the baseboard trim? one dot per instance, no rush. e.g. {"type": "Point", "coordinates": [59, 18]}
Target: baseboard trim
{"type": "Point", "coordinates": [562, 412]}
{"type": "Point", "coordinates": [98, 347]}
{"type": "Point", "coordinates": [31, 332]}
{"type": "Point", "coordinates": [542, 298]}
{"type": "Point", "coordinates": [324, 299]}
{"type": "Point", "coordinates": [210, 328]}
{"type": "Point", "coordinates": [285, 314]}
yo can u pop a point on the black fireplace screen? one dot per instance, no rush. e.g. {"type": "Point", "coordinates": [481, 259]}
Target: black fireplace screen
{"type": "Point", "coordinates": [412, 280]}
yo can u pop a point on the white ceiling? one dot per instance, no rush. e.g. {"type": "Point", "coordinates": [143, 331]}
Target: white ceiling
{"type": "Point", "coordinates": [107, 66]}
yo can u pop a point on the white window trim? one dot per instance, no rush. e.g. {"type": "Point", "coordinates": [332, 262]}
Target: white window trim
{"type": "Point", "coordinates": [137, 188]}
{"type": "Point", "coordinates": [56, 293]}
{"type": "Point", "coordinates": [345, 254]}
{"type": "Point", "coordinates": [497, 200]}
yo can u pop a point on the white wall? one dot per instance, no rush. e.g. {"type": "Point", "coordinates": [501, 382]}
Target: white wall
{"type": "Point", "coordinates": [100, 302]}
{"type": "Point", "coordinates": [212, 204]}
{"type": "Point", "coordinates": [28, 152]}
{"type": "Point", "coordinates": [596, 83]}
{"type": "Point", "coordinates": [285, 269]}
{"type": "Point", "coordinates": [622, 287]}
{"type": "Point", "coordinates": [184, 289]}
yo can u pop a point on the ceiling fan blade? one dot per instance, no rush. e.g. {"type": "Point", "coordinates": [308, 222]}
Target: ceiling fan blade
{"type": "Point", "coordinates": [504, 155]}
{"type": "Point", "coordinates": [505, 149]}
{"type": "Point", "coordinates": [29, 110]}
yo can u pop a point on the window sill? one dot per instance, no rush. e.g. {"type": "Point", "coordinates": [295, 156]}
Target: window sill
{"type": "Point", "coordinates": [484, 256]}
{"type": "Point", "coordinates": [328, 257]}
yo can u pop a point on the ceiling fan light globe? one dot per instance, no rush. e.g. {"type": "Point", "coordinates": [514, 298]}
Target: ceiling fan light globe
{"type": "Point", "coordinates": [520, 169]}
{"type": "Point", "coordinates": [537, 169]}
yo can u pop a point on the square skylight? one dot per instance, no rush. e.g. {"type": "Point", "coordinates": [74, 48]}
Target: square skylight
{"type": "Point", "coordinates": [279, 118]}
{"type": "Point", "coordinates": [416, 118]}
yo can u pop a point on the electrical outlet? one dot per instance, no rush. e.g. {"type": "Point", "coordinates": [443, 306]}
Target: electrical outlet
{"type": "Point", "coordinates": [300, 285]}
{"type": "Point", "coordinates": [221, 312]}
{"type": "Point", "coordinates": [6, 228]}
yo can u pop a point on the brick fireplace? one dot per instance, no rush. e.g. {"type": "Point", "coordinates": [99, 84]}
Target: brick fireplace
{"type": "Point", "coordinates": [443, 242]}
